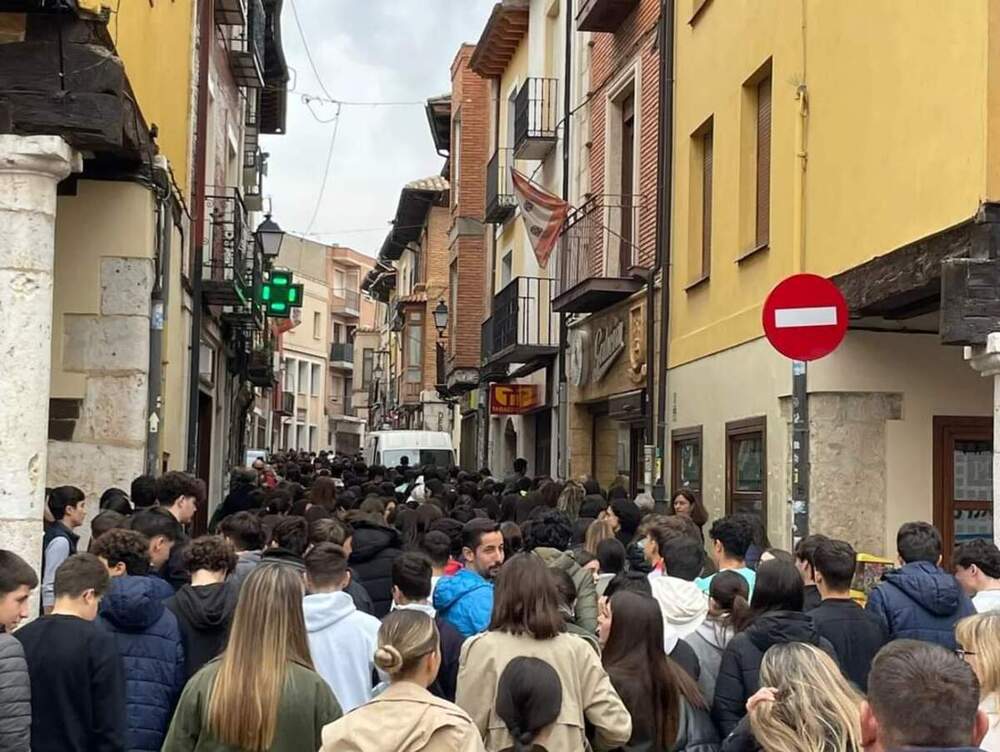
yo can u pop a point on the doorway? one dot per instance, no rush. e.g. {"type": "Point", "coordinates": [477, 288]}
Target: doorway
{"type": "Point", "coordinates": [204, 470]}
{"type": "Point", "coordinates": [543, 442]}
{"type": "Point", "coordinates": [963, 480]}
{"type": "Point", "coordinates": [509, 448]}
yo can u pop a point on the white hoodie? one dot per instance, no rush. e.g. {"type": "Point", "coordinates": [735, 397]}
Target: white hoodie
{"type": "Point", "coordinates": [342, 641]}
{"type": "Point", "coordinates": [683, 605]}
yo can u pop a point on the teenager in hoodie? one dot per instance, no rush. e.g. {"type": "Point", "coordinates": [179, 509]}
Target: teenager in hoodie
{"type": "Point", "coordinates": [465, 599]}
{"type": "Point", "coordinates": [373, 547]}
{"type": "Point", "coordinates": [342, 640]}
{"type": "Point", "coordinates": [146, 634]}
{"type": "Point", "coordinates": [205, 607]}
{"type": "Point", "coordinates": [920, 601]}
{"type": "Point", "coordinates": [683, 604]}
{"type": "Point", "coordinates": [728, 600]}
{"type": "Point", "coordinates": [775, 617]}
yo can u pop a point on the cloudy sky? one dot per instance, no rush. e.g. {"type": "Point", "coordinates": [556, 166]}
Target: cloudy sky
{"type": "Point", "coordinates": [373, 51]}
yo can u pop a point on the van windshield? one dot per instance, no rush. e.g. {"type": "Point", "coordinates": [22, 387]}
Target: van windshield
{"type": "Point", "coordinates": [418, 457]}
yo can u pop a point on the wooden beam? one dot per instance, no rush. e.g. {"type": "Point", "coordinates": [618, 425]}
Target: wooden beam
{"type": "Point", "coordinates": [84, 120]}
{"type": "Point", "coordinates": [47, 66]}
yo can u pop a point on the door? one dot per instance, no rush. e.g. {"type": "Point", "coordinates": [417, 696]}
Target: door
{"type": "Point", "coordinates": [637, 458]}
{"type": "Point", "coordinates": [963, 480]}
{"type": "Point", "coordinates": [625, 245]}
{"type": "Point", "coordinates": [543, 442]}
{"type": "Point", "coordinates": [205, 415]}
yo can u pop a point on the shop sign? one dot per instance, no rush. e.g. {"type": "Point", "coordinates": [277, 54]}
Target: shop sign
{"type": "Point", "coordinates": [514, 399]}
{"type": "Point", "coordinates": [609, 342]}
{"type": "Point", "coordinates": [577, 361]}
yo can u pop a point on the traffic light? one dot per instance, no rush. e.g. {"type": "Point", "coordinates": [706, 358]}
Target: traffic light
{"type": "Point", "coordinates": [279, 296]}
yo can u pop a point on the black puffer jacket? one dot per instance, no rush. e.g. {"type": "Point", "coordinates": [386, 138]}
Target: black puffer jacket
{"type": "Point", "coordinates": [373, 549]}
{"type": "Point", "coordinates": [15, 697]}
{"type": "Point", "coordinates": [739, 674]}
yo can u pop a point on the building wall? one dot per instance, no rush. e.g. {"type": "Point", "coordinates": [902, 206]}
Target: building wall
{"type": "Point", "coordinates": [890, 98]}
{"type": "Point", "coordinates": [100, 334]}
{"type": "Point", "coordinates": [156, 43]}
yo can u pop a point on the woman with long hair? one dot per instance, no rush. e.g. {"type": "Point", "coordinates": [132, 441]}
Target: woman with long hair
{"type": "Point", "coordinates": [727, 601]}
{"type": "Point", "coordinates": [570, 499]}
{"type": "Point", "coordinates": [668, 712]}
{"type": "Point", "coordinates": [807, 705]}
{"type": "Point", "coordinates": [526, 621]}
{"type": "Point", "coordinates": [774, 617]}
{"type": "Point", "coordinates": [406, 717]}
{"type": "Point", "coordinates": [599, 530]}
{"type": "Point", "coordinates": [685, 503]}
{"type": "Point", "coordinates": [262, 694]}
{"type": "Point", "coordinates": [529, 698]}
{"type": "Point", "coordinates": [323, 493]}
{"type": "Point", "coordinates": [979, 640]}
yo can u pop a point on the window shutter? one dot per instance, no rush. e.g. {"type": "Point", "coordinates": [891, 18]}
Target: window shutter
{"type": "Point", "coordinates": [763, 233]}
{"type": "Point", "coordinates": [706, 204]}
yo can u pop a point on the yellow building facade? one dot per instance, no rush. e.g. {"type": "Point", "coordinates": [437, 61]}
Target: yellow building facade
{"type": "Point", "coordinates": [847, 140]}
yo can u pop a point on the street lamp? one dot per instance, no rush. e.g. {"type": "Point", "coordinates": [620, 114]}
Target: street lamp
{"type": "Point", "coordinates": [441, 318]}
{"type": "Point", "coordinates": [269, 235]}
{"type": "Point", "coordinates": [397, 322]}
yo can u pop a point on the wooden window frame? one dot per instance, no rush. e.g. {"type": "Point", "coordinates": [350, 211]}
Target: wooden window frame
{"type": "Point", "coordinates": [680, 436]}
{"type": "Point", "coordinates": [762, 178]}
{"type": "Point", "coordinates": [739, 429]}
{"type": "Point", "coordinates": [707, 196]}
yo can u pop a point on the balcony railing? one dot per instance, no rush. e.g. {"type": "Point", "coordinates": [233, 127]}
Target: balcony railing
{"type": "Point", "coordinates": [246, 50]}
{"type": "Point", "coordinates": [604, 251]}
{"type": "Point", "coordinates": [536, 113]}
{"type": "Point", "coordinates": [229, 258]}
{"type": "Point", "coordinates": [345, 302]}
{"type": "Point", "coordinates": [524, 328]}
{"type": "Point", "coordinates": [260, 370]}
{"type": "Point", "coordinates": [284, 402]}
{"type": "Point", "coordinates": [500, 202]}
{"type": "Point", "coordinates": [230, 12]}
{"type": "Point", "coordinates": [603, 15]}
{"type": "Point", "coordinates": [341, 353]}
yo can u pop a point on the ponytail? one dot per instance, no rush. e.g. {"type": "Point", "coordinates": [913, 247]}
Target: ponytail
{"type": "Point", "coordinates": [740, 615]}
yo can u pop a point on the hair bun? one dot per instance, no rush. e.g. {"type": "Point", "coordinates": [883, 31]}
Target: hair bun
{"type": "Point", "coordinates": [388, 659]}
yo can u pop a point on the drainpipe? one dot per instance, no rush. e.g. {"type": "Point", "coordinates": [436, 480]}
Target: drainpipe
{"type": "Point", "coordinates": [158, 305]}
{"type": "Point", "coordinates": [206, 28]}
{"type": "Point", "coordinates": [563, 414]}
{"type": "Point", "coordinates": [664, 232]}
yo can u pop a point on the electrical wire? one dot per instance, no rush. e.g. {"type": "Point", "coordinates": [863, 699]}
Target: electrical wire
{"type": "Point", "coordinates": [305, 44]}
{"type": "Point", "coordinates": [326, 171]}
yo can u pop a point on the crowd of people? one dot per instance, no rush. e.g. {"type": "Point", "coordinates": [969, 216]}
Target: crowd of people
{"type": "Point", "coordinates": [336, 606]}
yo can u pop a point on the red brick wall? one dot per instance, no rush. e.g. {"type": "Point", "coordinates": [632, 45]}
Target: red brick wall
{"type": "Point", "coordinates": [612, 53]}
{"type": "Point", "coordinates": [470, 100]}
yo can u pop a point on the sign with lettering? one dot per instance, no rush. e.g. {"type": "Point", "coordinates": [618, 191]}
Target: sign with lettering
{"type": "Point", "coordinates": [577, 361]}
{"type": "Point", "coordinates": [609, 342]}
{"type": "Point", "coordinates": [514, 399]}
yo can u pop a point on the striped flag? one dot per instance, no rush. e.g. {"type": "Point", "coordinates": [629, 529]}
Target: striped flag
{"type": "Point", "coordinates": [543, 215]}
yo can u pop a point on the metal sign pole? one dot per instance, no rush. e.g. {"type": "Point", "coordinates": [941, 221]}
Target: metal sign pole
{"type": "Point", "coordinates": [800, 452]}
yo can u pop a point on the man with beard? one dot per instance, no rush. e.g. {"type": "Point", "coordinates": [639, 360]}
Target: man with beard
{"type": "Point", "coordinates": [466, 598]}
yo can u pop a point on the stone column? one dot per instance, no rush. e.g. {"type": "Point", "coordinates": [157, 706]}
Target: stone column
{"type": "Point", "coordinates": [986, 362]}
{"type": "Point", "coordinates": [30, 168]}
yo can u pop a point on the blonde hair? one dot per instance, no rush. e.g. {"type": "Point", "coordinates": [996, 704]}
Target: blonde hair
{"type": "Point", "coordinates": [597, 531]}
{"type": "Point", "coordinates": [816, 710]}
{"type": "Point", "coordinates": [404, 638]}
{"type": "Point", "coordinates": [980, 634]}
{"type": "Point", "coordinates": [571, 499]}
{"type": "Point", "coordinates": [268, 631]}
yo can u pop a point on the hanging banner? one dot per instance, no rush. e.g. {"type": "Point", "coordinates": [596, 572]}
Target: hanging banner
{"type": "Point", "coordinates": [514, 399]}
{"type": "Point", "coordinates": [543, 214]}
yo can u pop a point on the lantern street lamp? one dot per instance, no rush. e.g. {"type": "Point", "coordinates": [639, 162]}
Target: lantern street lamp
{"type": "Point", "coordinates": [269, 236]}
{"type": "Point", "coordinates": [441, 318]}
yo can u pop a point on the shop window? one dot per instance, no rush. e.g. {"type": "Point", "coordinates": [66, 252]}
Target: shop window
{"type": "Point", "coordinates": [746, 467]}
{"type": "Point", "coordinates": [686, 459]}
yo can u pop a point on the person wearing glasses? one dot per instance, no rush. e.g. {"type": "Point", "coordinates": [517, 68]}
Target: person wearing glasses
{"type": "Point", "coordinates": [979, 645]}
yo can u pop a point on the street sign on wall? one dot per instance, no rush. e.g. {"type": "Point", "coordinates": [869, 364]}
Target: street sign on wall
{"type": "Point", "coordinates": [514, 399]}
{"type": "Point", "coordinates": [805, 317]}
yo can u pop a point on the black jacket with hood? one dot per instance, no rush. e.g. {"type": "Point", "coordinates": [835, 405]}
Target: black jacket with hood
{"type": "Point", "coordinates": [373, 549]}
{"type": "Point", "coordinates": [739, 674]}
{"type": "Point", "coordinates": [203, 613]}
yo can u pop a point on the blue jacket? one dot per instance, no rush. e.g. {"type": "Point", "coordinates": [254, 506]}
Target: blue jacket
{"type": "Point", "coordinates": [466, 601]}
{"type": "Point", "coordinates": [920, 601]}
{"type": "Point", "coordinates": [149, 642]}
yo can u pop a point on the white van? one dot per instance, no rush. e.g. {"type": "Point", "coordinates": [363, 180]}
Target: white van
{"type": "Point", "coordinates": [421, 448]}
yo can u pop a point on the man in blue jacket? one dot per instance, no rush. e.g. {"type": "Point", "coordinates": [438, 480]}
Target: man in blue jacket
{"type": "Point", "coordinates": [466, 598]}
{"type": "Point", "coordinates": [920, 601]}
{"type": "Point", "coordinates": [147, 636]}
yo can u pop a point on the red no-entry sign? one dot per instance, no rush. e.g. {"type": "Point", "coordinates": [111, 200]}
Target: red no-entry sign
{"type": "Point", "coordinates": [805, 317]}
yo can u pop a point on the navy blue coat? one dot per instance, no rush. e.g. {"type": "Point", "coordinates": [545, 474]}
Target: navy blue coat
{"type": "Point", "coordinates": [920, 601]}
{"type": "Point", "coordinates": [149, 642]}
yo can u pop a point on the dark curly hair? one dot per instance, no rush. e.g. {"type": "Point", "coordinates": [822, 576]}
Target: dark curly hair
{"type": "Point", "coordinates": [212, 553]}
{"type": "Point", "coordinates": [128, 547]}
{"type": "Point", "coordinates": [548, 528]}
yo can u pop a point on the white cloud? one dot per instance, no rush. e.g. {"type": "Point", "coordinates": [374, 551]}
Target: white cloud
{"type": "Point", "coordinates": [379, 50]}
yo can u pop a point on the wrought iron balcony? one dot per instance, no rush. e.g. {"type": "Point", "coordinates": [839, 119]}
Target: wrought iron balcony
{"type": "Point", "coordinates": [246, 49]}
{"type": "Point", "coordinates": [344, 302]}
{"type": "Point", "coordinates": [230, 12]}
{"type": "Point", "coordinates": [342, 356]}
{"type": "Point", "coordinates": [605, 252]}
{"type": "Point", "coordinates": [229, 257]}
{"type": "Point", "coordinates": [536, 114]}
{"type": "Point", "coordinates": [284, 403]}
{"type": "Point", "coordinates": [604, 15]}
{"type": "Point", "coordinates": [500, 202]}
{"type": "Point", "coordinates": [523, 328]}
{"type": "Point", "coordinates": [260, 369]}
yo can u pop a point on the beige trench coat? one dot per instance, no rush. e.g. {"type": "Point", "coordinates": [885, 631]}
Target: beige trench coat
{"type": "Point", "coordinates": [404, 718]}
{"type": "Point", "coordinates": [587, 691]}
